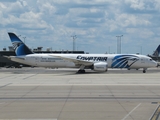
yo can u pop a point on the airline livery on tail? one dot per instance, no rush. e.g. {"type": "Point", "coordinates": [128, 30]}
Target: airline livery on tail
{"type": "Point", "coordinates": [156, 52]}
{"type": "Point", "coordinates": [96, 62]}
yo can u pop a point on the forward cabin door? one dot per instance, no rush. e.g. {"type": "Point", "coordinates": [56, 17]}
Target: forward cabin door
{"type": "Point", "coordinates": [143, 62]}
{"type": "Point", "coordinates": [36, 60]}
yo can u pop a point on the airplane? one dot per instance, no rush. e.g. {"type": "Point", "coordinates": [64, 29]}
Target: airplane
{"type": "Point", "coordinates": [95, 62]}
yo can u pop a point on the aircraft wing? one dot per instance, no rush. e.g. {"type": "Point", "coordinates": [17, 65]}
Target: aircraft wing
{"type": "Point", "coordinates": [10, 57]}
{"type": "Point", "coordinates": [76, 61]}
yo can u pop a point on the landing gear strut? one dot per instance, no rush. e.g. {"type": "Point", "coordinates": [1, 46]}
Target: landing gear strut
{"type": "Point", "coordinates": [81, 70]}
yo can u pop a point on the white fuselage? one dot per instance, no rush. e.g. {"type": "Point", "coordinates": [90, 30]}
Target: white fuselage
{"type": "Point", "coordinates": [131, 61]}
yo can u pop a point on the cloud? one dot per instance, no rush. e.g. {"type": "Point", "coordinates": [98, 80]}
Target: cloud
{"type": "Point", "coordinates": [8, 1]}
{"type": "Point", "coordinates": [95, 22]}
{"type": "Point", "coordinates": [142, 6]}
{"type": "Point", "coordinates": [92, 15]}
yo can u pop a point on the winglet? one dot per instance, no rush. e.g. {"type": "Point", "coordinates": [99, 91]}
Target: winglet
{"type": "Point", "coordinates": [19, 47]}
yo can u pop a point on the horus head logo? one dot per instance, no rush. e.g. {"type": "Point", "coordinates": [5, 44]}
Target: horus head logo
{"type": "Point", "coordinates": [16, 44]}
{"type": "Point", "coordinates": [124, 61]}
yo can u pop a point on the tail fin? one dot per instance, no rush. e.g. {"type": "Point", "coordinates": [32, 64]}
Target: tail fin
{"type": "Point", "coordinates": [19, 47]}
{"type": "Point", "coordinates": [157, 52]}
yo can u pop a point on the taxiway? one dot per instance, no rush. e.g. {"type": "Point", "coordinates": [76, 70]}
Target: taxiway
{"type": "Point", "coordinates": [39, 93]}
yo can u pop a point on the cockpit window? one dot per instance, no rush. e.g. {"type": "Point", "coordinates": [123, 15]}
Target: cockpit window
{"type": "Point", "coordinates": [151, 59]}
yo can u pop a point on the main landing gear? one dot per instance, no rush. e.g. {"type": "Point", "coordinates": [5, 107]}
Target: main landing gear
{"type": "Point", "coordinates": [81, 71]}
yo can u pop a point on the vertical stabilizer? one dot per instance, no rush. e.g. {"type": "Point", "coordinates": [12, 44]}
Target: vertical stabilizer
{"type": "Point", "coordinates": [156, 52]}
{"type": "Point", "coordinates": [19, 47]}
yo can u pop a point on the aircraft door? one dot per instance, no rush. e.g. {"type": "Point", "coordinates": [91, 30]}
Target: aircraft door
{"type": "Point", "coordinates": [142, 60]}
{"type": "Point", "coordinates": [36, 60]}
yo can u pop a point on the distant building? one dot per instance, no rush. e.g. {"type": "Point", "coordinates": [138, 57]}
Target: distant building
{"type": "Point", "coordinates": [10, 48]}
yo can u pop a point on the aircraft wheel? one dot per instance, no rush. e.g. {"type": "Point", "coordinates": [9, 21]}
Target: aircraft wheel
{"type": "Point", "coordinates": [144, 71]}
{"type": "Point", "coordinates": [81, 71]}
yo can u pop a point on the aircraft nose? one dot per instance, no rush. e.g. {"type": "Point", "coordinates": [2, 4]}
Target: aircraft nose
{"type": "Point", "coordinates": [155, 64]}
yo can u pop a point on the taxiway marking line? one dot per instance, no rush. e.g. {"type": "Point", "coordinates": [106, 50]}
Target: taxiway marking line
{"type": "Point", "coordinates": [131, 111]}
{"type": "Point", "coordinates": [32, 84]}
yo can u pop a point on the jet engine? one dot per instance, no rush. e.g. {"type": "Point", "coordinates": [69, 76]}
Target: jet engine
{"type": "Point", "coordinates": [100, 66]}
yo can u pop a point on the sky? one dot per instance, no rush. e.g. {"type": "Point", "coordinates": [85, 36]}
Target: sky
{"type": "Point", "coordinates": [96, 23]}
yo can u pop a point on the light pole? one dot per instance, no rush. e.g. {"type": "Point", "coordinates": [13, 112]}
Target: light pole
{"type": "Point", "coordinates": [119, 44]}
{"type": "Point", "coordinates": [74, 38]}
{"type": "Point", "coordinates": [141, 50]}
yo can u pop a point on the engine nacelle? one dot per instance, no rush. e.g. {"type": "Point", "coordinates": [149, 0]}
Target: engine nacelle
{"type": "Point", "coordinates": [100, 66]}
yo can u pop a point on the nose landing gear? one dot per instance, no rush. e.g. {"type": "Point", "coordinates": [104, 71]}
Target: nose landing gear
{"type": "Point", "coordinates": [144, 70]}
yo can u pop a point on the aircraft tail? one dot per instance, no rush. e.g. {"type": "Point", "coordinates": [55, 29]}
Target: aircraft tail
{"type": "Point", "coordinates": [19, 47]}
{"type": "Point", "coordinates": [157, 52]}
